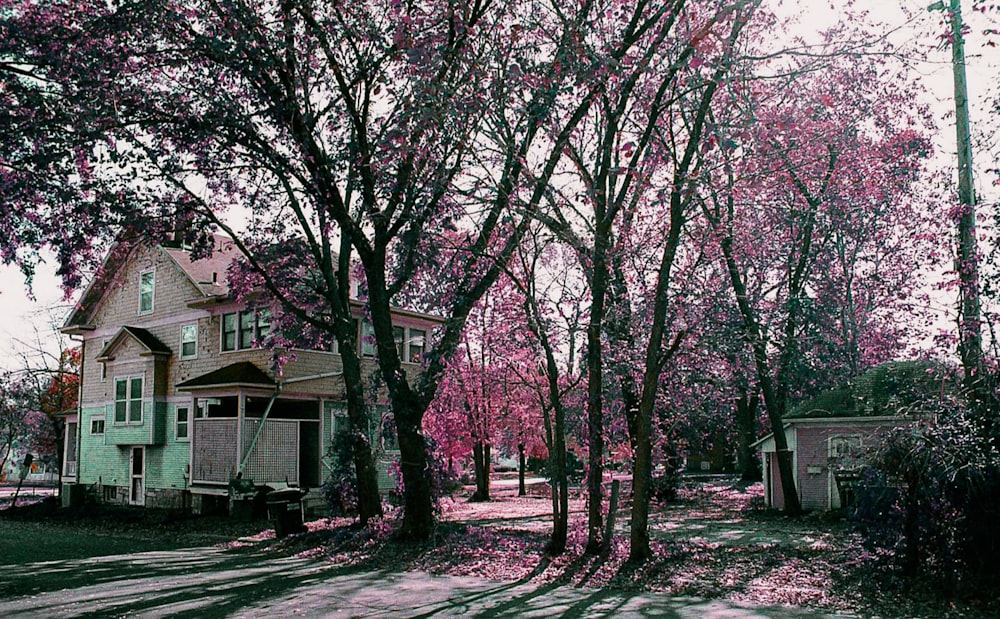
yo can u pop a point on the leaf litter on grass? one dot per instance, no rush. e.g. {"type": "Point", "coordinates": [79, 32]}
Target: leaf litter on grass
{"type": "Point", "coordinates": [715, 542]}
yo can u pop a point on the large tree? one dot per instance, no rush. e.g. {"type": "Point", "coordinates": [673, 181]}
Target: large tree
{"type": "Point", "coordinates": [339, 130]}
{"type": "Point", "coordinates": [624, 202]}
{"type": "Point", "coordinates": [827, 175]}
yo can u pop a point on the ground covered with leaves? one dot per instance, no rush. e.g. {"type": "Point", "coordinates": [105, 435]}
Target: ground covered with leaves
{"type": "Point", "coordinates": [716, 541]}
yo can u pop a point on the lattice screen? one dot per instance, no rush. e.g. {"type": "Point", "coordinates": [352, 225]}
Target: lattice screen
{"type": "Point", "coordinates": [276, 455]}
{"type": "Point", "coordinates": [214, 450]}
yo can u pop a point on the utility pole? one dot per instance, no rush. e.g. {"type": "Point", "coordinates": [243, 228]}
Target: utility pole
{"type": "Point", "coordinates": [969, 318]}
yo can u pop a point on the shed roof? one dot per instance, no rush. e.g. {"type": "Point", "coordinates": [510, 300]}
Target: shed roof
{"type": "Point", "coordinates": [894, 388]}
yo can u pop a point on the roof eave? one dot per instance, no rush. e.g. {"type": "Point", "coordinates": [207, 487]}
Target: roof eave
{"type": "Point", "coordinates": [77, 329]}
{"type": "Point", "coordinates": [219, 386]}
{"type": "Point", "coordinates": [209, 301]}
{"type": "Point", "coordinates": [856, 419]}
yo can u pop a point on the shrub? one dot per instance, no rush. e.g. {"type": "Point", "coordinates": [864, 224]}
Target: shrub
{"type": "Point", "coordinates": [666, 480]}
{"type": "Point", "coordinates": [928, 505]}
{"type": "Point", "coordinates": [341, 488]}
{"type": "Point", "coordinates": [444, 481]}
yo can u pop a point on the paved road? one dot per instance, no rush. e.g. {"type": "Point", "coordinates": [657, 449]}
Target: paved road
{"type": "Point", "coordinates": [213, 582]}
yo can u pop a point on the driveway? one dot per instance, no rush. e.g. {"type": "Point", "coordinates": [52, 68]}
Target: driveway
{"type": "Point", "coordinates": [218, 582]}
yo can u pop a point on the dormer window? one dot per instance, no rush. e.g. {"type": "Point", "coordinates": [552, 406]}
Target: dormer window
{"type": "Point", "coordinates": [146, 287]}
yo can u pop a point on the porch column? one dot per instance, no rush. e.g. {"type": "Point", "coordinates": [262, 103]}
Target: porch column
{"type": "Point", "coordinates": [241, 409]}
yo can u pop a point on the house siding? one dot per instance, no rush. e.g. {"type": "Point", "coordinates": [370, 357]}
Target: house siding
{"type": "Point", "coordinates": [100, 462]}
{"type": "Point", "coordinates": [105, 459]}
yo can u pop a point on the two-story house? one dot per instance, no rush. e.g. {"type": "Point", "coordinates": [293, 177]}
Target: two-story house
{"type": "Point", "coordinates": [177, 397]}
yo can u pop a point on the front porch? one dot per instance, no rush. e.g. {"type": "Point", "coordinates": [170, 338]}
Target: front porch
{"type": "Point", "coordinates": [243, 428]}
{"type": "Point", "coordinates": [274, 451]}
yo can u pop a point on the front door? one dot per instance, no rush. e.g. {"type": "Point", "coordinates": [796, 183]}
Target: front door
{"type": "Point", "coordinates": [137, 489]}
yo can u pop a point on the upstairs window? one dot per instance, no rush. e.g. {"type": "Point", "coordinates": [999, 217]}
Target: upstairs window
{"type": "Point", "coordinates": [128, 400]}
{"type": "Point", "coordinates": [417, 345]}
{"type": "Point", "coordinates": [336, 343]}
{"type": "Point", "coordinates": [189, 341]}
{"type": "Point", "coordinates": [240, 330]}
{"type": "Point", "coordinates": [97, 425]}
{"type": "Point", "coordinates": [399, 335]}
{"type": "Point", "coordinates": [367, 339]}
{"type": "Point", "coordinates": [183, 422]}
{"type": "Point", "coordinates": [147, 281]}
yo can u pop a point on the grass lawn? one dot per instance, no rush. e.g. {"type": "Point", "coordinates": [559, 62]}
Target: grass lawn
{"type": "Point", "coordinates": [31, 542]}
{"type": "Point", "coordinates": [38, 531]}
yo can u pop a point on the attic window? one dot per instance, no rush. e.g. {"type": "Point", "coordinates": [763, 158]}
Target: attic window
{"type": "Point", "coordinates": [146, 285]}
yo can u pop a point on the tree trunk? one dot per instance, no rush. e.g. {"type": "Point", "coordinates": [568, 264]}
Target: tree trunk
{"type": "Point", "coordinates": [521, 464]}
{"type": "Point", "coordinates": [595, 390]}
{"type": "Point", "coordinates": [774, 399]}
{"type": "Point", "coordinates": [418, 506]}
{"type": "Point", "coordinates": [746, 421]}
{"type": "Point", "coordinates": [481, 464]}
{"type": "Point", "coordinates": [554, 419]}
{"type": "Point", "coordinates": [558, 483]}
{"type": "Point", "coordinates": [407, 408]}
{"type": "Point", "coordinates": [369, 498]}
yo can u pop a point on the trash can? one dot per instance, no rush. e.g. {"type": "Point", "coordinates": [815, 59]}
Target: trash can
{"type": "Point", "coordinates": [241, 498]}
{"type": "Point", "coordinates": [285, 509]}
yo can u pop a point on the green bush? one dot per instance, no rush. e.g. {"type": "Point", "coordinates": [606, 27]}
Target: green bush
{"type": "Point", "coordinates": [928, 506]}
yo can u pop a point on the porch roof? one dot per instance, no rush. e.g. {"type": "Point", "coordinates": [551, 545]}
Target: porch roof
{"type": "Point", "coordinates": [242, 374]}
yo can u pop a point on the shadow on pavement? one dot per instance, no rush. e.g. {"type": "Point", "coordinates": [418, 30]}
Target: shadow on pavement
{"type": "Point", "coordinates": [216, 582]}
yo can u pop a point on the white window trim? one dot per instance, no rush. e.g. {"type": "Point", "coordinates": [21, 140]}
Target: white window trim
{"type": "Point", "coordinates": [195, 355]}
{"type": "Point", "coordinates": [834, 437]}
{"type": "Point", "coordinates": [94, 420]}
{"type": "Point", "coordinates": [128, 400]}
{"type": "Point", "coordinates": [187, 424]}
{"type": "Point", "coordinates": [152, 299]}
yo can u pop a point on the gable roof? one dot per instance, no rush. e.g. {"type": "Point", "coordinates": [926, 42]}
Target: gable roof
{"type": "Point", "coordinates": [242, 374]}
{"type": "Point", "coordinates": [147, 340]}
{"type": "Point", "coordinates": [209, 275]}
